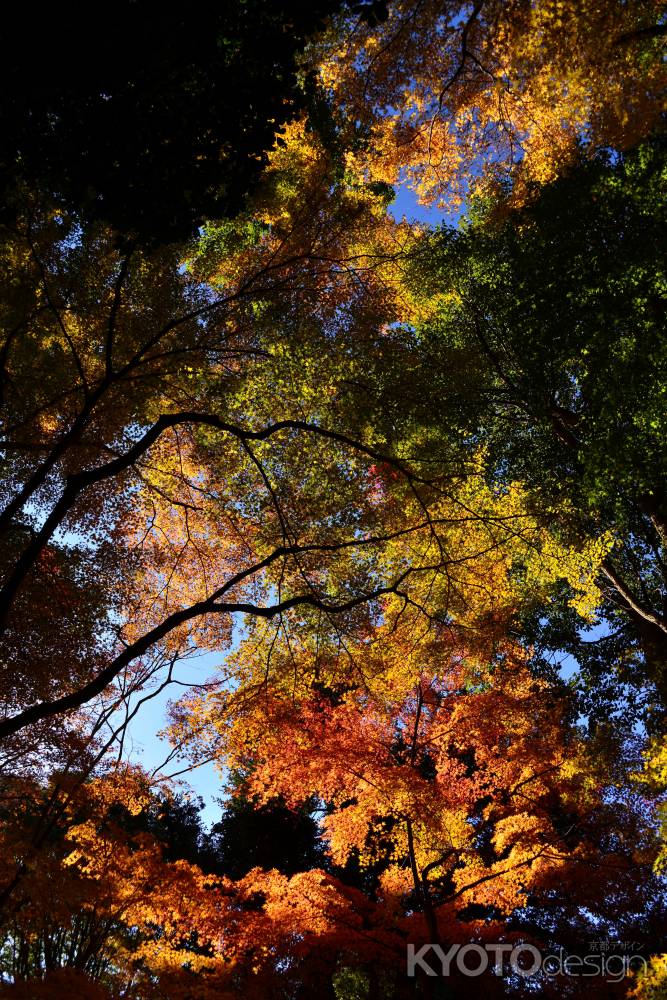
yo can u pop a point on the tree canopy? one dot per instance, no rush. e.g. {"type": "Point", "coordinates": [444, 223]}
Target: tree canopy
{"type": "Point", "coordinates": [404, 484]}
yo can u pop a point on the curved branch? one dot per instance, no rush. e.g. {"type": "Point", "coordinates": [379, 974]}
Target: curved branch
{"type": "Point", "coordinates": [47, 709]}
{"type": "Point", "coordinates": [76, 484]}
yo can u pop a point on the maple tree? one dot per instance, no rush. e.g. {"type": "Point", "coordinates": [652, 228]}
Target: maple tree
{"type": "Point", "coordinates": [138, 440]}
{"type": "Point", "coordinates": [79, 313]}
{"type": "Point", "coordinates": [110, 476]}
{"type": "Point", "coordinates": [462, 803]}
{"type": "Point", "coordinates": [447, 93]}
{"type": "Point", "coordinates": [403, 460]}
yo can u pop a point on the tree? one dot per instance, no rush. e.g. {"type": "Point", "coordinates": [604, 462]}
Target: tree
{"type": "Point", "coordinates": [397, 459]}
{"type": "Point", "coordinates": [130, 352]}
{"type": "Point", "coordinates": [88, 898]}
{"type": "Point", "coordinates": [265, 835]}
{"type": "Point", "coordinates": [476, 794]}
{"type": "Point", "coordinates": [159, 450]}
{"type": "Point", "coordinates": [552, 322]}
{"type": "Point", "coordinates": [448, 94]}
{"type": "Point", "coordinates": [475, 805]}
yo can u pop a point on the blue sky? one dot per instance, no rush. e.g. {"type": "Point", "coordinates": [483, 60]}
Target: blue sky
{"type": "Point", "coordinates": [405, 205]}
{"type": "Point", "coordinates": [144, 747]}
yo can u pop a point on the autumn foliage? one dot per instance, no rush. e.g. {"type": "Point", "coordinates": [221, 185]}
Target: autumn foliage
{"type": "Point", "coordinates": [402, 485]}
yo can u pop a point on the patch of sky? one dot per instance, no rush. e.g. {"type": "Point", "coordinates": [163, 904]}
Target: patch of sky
{"type": "Point", "coordinates": [154, 753]}
{"type": "Point", "coordinates": [567, 665]}
{"type": "Point", "coordinates": [406, 206]}
{"type": "Point", "coordinates": [72, 241]}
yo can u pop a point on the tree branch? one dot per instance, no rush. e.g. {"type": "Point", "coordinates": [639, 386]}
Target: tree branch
{"type": "Point", "coordinates": [76, 699]}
